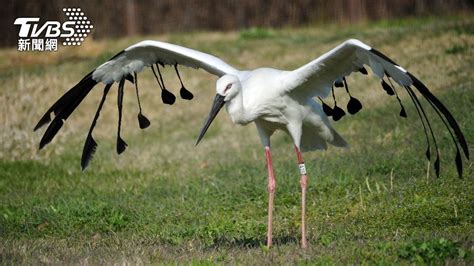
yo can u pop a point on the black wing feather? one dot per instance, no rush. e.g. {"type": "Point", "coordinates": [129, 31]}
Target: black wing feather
{"type": "Point", "coordinates": [85, 84]}
{"type": "Point", "coordinates": [90, 145]}
{"type": "Point", "coordinates": [64, 107]}
{"type": "Point", "coordinates": [449, 117]}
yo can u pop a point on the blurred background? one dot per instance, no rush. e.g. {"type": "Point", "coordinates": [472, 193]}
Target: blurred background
{"type": "Point", "coordinates": [138, 17]}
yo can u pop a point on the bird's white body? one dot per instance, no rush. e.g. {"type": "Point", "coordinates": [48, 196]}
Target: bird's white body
{"type": "Point", "coordinates": [272, 99]}
{"type": "Point", "coordinates": [261, 98]}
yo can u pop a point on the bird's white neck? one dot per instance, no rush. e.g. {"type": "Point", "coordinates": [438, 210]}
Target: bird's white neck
{"type": "Point", "coordinates": [236, 111]}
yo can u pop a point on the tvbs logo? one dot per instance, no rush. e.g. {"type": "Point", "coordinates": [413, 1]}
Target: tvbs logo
{"type": "Point", "coordinates": [29, 28]}
{"type": "Point", "coordinates": [36, 36]}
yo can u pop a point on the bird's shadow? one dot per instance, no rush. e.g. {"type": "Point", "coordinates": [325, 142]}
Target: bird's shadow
{"type": "Point", "coordinates": [252, 242]}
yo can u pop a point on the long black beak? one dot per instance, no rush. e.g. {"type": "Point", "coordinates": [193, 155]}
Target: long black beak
{"type": "Point", "coordinates": [216, 107]}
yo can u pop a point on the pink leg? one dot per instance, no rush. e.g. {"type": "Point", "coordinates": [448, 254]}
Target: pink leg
{"type": "Point", "coordinates": [271, 194]}
{"type": "Point", "coordinates": [303, 183]}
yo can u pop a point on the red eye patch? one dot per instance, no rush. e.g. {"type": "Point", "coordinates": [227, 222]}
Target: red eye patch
{"type": "Point", "coordinates": [228, 87]}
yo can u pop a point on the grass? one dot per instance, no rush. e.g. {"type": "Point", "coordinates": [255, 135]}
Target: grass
{"type": "Point", "coordinates": [165, 200]}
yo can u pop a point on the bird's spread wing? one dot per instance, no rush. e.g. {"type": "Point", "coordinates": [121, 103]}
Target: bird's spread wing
{"type": "Point", "coordinates": [147, 53]}
{"type": "Point", "coordinates": [125, 66]}
{"type": "Point", "coordinates": [319, 77]}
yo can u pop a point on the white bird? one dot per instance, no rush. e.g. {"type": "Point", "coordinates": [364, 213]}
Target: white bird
{"type": "Point", "coordinates": [273, 99]}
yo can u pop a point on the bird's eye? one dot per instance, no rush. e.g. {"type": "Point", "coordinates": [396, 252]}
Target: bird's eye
{"type": "Point", "coordinates": [228, 87]}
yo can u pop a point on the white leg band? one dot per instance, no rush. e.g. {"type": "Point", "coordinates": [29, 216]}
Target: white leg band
{"type": "Point", "coordinates": [302, 168]}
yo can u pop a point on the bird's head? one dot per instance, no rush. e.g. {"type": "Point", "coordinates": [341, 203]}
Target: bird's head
{"type": "Point", "coordinates": [227, 87]}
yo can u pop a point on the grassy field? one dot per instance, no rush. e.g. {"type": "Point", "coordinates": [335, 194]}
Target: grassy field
{"type": "Point", "coordinates": [165, 200]}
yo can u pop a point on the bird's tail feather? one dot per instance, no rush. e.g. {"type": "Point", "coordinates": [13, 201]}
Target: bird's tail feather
{"type": "Point", "coordinates": [311, 140]}
{"type": "Point", "coordinates": [338, 140]}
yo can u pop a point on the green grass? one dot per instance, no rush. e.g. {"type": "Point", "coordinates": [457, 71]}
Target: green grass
{"type": "Point", "coordinates": [165, 200]}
